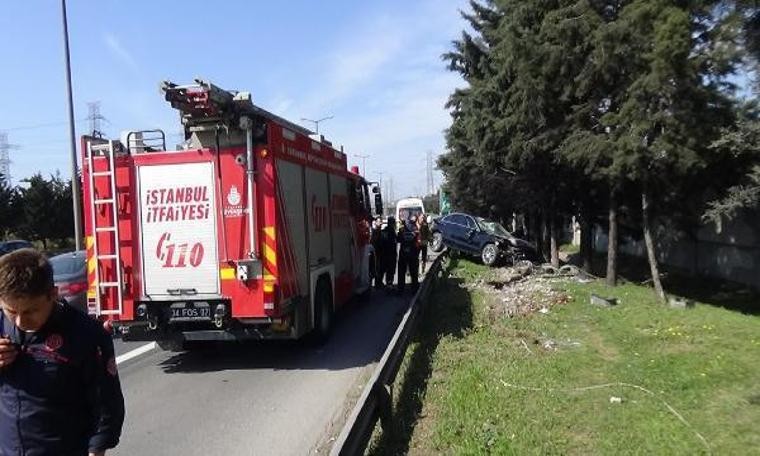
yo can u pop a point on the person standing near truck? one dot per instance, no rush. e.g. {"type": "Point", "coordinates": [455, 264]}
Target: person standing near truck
{"type": "Point", "coordinates": [388, 252]}
{"type": "Point", "coordinates": [375, 270]}
{"type": "Point", "coordinates": [408, 254]}
{"type": "Point", "coordinates": [425, 237]}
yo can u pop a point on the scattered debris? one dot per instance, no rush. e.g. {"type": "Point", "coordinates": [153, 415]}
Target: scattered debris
{"type": "Point", "coordinates": [547, 269]}
{"type": "Point", "coordinates": [616, 400]}
{"type": "Point", "coordinates": [524, 288]}
{"type": "Point", "coordinates": [603, 302]}
{"type": "Point", "coordinates": [677, 302]}
{"type": "Point", "coordinates": [570, 269]}
{"type": "Point", "coordinates": [615, 385]}
{"type": "Point", "coordinates": [526, 346]}
{"type": "Point", "coordinates": [549, 345]}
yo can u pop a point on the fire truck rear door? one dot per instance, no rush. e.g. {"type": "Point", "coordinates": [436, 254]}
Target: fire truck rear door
{"type": "Point", "coordinates": [178, 230]}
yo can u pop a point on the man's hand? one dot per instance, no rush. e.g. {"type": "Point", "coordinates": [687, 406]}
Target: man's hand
{"type": "Point", "coordinates": [8, 352]}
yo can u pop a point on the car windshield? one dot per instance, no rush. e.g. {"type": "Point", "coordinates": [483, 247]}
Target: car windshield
{"type": "Point", "coordinates": [493, 228]}
{"type": "Point", "coordinates": [67, 264]}
{"type": "Point", "coordinates": [407, 212]}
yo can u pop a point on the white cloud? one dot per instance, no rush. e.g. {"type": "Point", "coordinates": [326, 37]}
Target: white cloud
{"type": "Point", "coordinates": [120, 52]}
{"type": "Point", "coordinates": [368, 49]}
{"type": "Point", "coordinates": [388, 89]}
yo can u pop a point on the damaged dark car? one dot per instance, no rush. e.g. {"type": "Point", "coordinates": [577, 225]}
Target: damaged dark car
{"type": "Point", "coordinates": [482, 238]}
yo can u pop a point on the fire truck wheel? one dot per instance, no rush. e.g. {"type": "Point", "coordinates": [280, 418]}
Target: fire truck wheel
{"type": "Point", "coordinates": [323, 311]}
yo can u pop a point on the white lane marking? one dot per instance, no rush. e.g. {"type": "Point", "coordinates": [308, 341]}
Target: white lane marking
{"type": "Point", "coordinates": [141, 350]}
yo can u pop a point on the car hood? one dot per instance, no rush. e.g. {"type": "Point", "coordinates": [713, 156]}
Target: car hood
{"type": "Point", "coordinates": [515, 242]}
{"type": "Point", "coordinates": [67, 278]}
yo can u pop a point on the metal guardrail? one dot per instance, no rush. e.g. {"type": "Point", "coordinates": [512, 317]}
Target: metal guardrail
{"type": "Point", "coordinates": [376, 400]}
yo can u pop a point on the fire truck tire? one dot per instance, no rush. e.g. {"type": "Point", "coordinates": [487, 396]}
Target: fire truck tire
{"type": "Point", "coordinates": [323, 312]}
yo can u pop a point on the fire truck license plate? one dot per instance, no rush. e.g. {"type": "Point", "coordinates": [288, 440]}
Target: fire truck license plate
{"type": "Point", "coordinates": [191, 312]}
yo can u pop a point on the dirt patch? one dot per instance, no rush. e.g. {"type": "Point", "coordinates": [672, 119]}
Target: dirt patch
{"type": "Point", "coordinates": [521, 290]}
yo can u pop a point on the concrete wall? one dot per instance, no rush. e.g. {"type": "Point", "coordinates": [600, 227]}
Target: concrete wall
{"type": "Point", "coordinates": [730, 252]}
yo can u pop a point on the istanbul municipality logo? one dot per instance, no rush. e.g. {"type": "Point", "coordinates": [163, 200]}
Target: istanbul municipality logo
{"type": "Point", "coordinates": [233, 197]}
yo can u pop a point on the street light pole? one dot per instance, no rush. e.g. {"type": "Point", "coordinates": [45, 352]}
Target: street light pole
{"type": "Point", "coordinates": [316, 122]}
{"type": "Point", "coordinates": [364, 162]}
{"type": "Point", "coordinates": [72, 135]}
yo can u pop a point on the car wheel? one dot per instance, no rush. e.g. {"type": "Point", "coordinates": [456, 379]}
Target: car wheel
{"type": "Point", "coordinates": [489, 254]}
{"type": "Point", "coordinates": [437, 244]}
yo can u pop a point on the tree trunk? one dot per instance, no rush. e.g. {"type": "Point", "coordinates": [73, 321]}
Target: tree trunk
{"type": "Point", "coordinates": [587, 241]}
{"type": "Point", "coordinates": [538, 234]}
{"type": "Point", "coordinates": [546, 244]}
{"type": "Point", "coordinates": [651, 254]}
{"type": "Point", "coordinates": [553, 234]}
{"type": "Point", "coordinates": [612, 242]}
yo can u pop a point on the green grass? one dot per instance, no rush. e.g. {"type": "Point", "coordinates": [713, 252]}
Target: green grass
{"type": "Point", "coordinates": [451, 395]}
{"type": "Point", "coordinates": [570, 248]}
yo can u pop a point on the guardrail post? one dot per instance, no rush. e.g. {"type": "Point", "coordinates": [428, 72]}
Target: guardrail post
{"type": "Point", "coordinates": [384, 395]}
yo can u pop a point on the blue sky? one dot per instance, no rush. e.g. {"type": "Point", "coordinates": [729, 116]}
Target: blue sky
{"type": "Point", "coordinates": [375, 66]}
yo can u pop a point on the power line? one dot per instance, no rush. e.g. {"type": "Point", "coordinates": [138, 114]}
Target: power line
{"type": "Point", "coordinates": [42, 125]}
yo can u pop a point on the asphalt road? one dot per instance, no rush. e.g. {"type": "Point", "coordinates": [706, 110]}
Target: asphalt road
{"type": "Point", "coordinates": [125, 347]}
{"type": "Point", "coordinates": [255, 398]}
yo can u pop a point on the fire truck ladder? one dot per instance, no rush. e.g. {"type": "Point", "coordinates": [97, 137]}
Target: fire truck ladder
{"type": "Point", "coordinates": [106, 150]}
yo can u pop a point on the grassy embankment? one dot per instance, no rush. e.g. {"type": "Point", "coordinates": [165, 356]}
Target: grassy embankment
{"type": "Point", "coordinates": [477, 382]}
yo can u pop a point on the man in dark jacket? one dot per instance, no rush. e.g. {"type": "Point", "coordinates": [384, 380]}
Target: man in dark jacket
{"type": "Point", "coordinates": [388, 252]}
{"type": "Point", "coordinates": [408, 254]}
{"type": "Point", "coordinates": [374, 262]}
{"type": "Point", "coordinates": [59, 388]}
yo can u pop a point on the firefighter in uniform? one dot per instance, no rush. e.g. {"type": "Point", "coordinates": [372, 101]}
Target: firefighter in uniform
{"type": "Point", "coordinates": [409, 254]}
{"type": "Point", "coordinates": [59, 388]}
{"type": "Point", "coordinates": [387, 252]}
{"type": "Point", "coordinates": [374, 266]}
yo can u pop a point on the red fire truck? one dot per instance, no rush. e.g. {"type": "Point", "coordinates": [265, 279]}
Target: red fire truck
{"type": "Point", "coordinates": [252, 228]}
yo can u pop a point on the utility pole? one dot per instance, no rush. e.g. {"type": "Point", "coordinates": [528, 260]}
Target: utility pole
{"type": "Point", "coordinates": [430, 182]}
{"type": "Point", "coordinates": [95, 117]}
{"type": "Point", "coordinates": [364, 163]}
{"type": "Point", "coordinates": [316, 122]}
{"type": "Point", "coordinates": [5, 157]}
{"type": "Point", "coordinates": [72, 135]}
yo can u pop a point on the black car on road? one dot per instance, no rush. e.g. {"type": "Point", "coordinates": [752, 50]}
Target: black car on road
{"type": "Point", "coordinates": [10, 246]}
{"type": "Point", "coordinates": [476, 236]}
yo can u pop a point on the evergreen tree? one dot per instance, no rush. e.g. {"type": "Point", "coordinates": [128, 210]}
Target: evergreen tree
{"type": "Point", "coordinates": [567, 99]}
{"type": "Point", "coordinates": [38, 210]}
{"type": "Point", "coordinates": [8, 208]}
